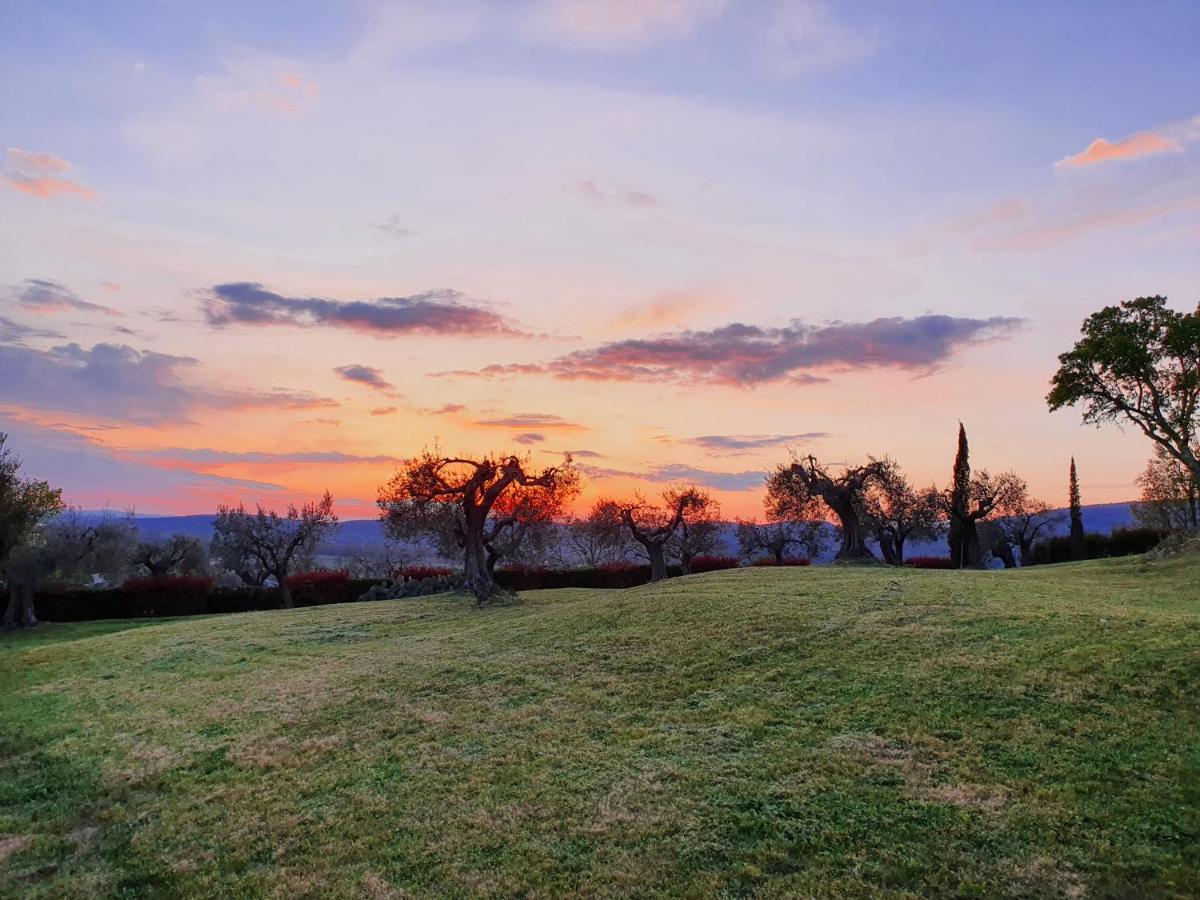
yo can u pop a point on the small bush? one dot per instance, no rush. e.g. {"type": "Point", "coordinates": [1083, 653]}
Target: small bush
{"type": "Point", "coordinates": [929, 562]}
{"type": "Point", "coordinates": [713, 563]}
{"type": "Point", "coordinates": [413, 587]}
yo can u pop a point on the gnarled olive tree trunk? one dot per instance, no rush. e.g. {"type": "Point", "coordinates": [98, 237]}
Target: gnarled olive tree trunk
{"type": "Point", "coordinates": [19, 612]}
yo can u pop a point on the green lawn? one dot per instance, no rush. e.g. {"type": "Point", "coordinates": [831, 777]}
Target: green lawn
{"type": "Point", "coordinates": [770, 732]}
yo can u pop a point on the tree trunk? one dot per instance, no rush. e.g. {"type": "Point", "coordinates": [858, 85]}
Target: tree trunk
{"type": "Point", "coordinates": [1003, 550]}
{"type": "Point", "coordinates": [899, 551]}
{"type": "Point", "coordinates": [887, 549]}
{"type": "Point", "coordinates": [778, 551]}
{"type": "Point", "coordinates": [1026, 552]}
{"type": "Point", "coordinates": [658, 560]}
{"type": "Point", "coordinates": [285, 592]}
{"type": "Point", "coordinates": [19, 613]}
{"type": "Point", "coordinates": [955, 538]}
{"type": "Point", "coordinates": [477, 576]}
{"type": "Point", "coordinates": [971, 557]}
{"type": "Point", "coordinates": [853, 544]}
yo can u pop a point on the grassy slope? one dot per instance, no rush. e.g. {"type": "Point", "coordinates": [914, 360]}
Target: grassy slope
{"type": "Point", "coordinates": [829, 732]}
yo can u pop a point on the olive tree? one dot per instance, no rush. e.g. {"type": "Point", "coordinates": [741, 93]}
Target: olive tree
{"type": "Point", "coordinates": [176, 554]}
{"type": "Point", "coordinates": [792, 488]}
{"type": "Point", "coordinates": [266, 544]}
{"type": "Point", "coordinates": [25, 504]}
{"type": "Point", "coordinates": [651, 526]}
{"type": "Point", "coordinates": [437, 494]}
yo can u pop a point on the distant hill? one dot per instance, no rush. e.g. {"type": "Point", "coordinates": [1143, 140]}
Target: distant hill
{"type": "Point", "coordinates": [362, 533]}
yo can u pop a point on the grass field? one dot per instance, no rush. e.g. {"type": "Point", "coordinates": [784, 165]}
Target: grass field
{"type": "Point", "coordinates": [767, 732]}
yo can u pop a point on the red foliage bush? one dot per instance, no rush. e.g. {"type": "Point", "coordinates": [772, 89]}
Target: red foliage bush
{"type": "Point", "coordinates": [929, 562]}
{"type": "Point", "coordinates": [787, 561]}
{"type": "Point", "coordinates": [713, 563]}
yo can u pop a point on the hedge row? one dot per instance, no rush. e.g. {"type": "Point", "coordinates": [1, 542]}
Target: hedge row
{"type": "Point", "coordinates": [1122, 542]}
{"type": "Point", "coordinates": [191, 596]}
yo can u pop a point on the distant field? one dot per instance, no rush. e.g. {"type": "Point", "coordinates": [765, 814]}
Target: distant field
{"type": "Point", "coordinates": [767, 732]}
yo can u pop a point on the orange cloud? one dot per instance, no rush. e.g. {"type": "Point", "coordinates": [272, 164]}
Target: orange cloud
{"type": "Point", "coordinates": [1144, 143]}
{"type": "Point", "coordinates": [42, 175]}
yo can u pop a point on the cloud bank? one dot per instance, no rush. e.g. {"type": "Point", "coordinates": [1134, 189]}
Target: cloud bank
{"type": "Point", "coordinates": [749, 355]}
{"type": "Point", "coordinates": [440, 312]}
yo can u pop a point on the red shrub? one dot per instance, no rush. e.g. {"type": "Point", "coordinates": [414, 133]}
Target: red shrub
{"type": "Point", "coordinates": [165, 595]}
{"type": "Point", "coordinates": [787, 561]}
{"type": "Point", "coordinates": [713, 563]}
{"type": "Point", "coordinates": [929, 562]}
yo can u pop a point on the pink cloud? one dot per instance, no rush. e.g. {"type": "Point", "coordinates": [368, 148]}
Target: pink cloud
{"type": "Point", "coordinates": [42, 175]}
{"type": "Point", "coordinates": [1144, 143]}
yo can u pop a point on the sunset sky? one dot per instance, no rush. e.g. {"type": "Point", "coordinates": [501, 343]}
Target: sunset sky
{"type": "Point", "coordinates": [252, 251]}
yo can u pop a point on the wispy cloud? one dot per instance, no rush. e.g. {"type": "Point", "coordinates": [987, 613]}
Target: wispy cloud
{"type": "Point", "coordinates": [43, 175]}
{"type": "Point", "coordinates": [1144, 143]}
{"type": "Point", "coordinates": [678, 472]}
{"type": "Point", "coordinates": [367, 375]}
{"type": "Point", "coordinates": [210, 456]}
{"type": "Point", "coordinates": [615, 25]}
{"type": "Point", "coordinates": [748, 355]}
{"type": "Point", "coordinates": [733, 444]}
{"type": "Point", "coordinates": [43, 295]}
{"type": "Point", "coordinates": [1049, 232]}
{"type": "Point", "coordinates": [805, 35]}
{"type": "Point", "coordinates": [14, 332]}
{"type": "Point", "coordinates": [529, 420]}
{"type": "Point", "coordinates": [529, 437]}
{"type": "Point", "coordinates": [592, 191]}
{"type": "Point", "coordinates": [115, 381]}
{"type": "Point", "coordinates": [395, 227]}
{"type": "Point", "coordinates": [443, 312]}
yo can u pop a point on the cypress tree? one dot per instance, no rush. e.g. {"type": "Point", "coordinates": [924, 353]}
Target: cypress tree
{"type": "Point", "coordinates": [1077, 545]}
{"type": "Point", "coordinates": [960, 503]}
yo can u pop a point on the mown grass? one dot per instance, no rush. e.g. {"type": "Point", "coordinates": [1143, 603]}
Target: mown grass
{"type": "Point", "coordinates": [767, 732]}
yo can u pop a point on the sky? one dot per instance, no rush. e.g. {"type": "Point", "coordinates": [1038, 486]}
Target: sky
{"type": "Point", "coordinates": [256, 251]}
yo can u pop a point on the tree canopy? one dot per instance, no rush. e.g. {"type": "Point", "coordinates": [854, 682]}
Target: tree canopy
{"type": "Point", "coordinates": [1137, 362]}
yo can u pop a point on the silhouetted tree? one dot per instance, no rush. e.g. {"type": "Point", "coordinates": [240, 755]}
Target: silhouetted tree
{"type": "Point", "coordinates": [894, 513]}
{"type": "Point", "coordinates": [25, 504]}
{"type": "Point", "coordinates": [773, 539]}
{"type": "Point", "coordinates": [72, 547]}
{"type": "Point", "coordinates": [264, 543]}
{"type": "Point", "coordinates": [958, 507]}
{"type": "Point", "coordinates": [699, 530]}
{"type": "Point", "coordinates": [1170, 499]}
{"type": "Point", "coordinates": [1026, 523]}
{"type": "Point", "coordinates": [791, 488]}
{"type": "Point", "coordinates": [177, 554]}
{"type": "Point", "coordinates": [1076, 510]}
{"type": "Point", "coordinates": [1138, 362]}
{"type": "Point", "coordinates": [653, 526]}
{"type": "Point", "coordinates": [597, 539]}
{"type": "Point", "coordinates": [431, 489]}
{"type": "Point", "coordinates": [987, 497]}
